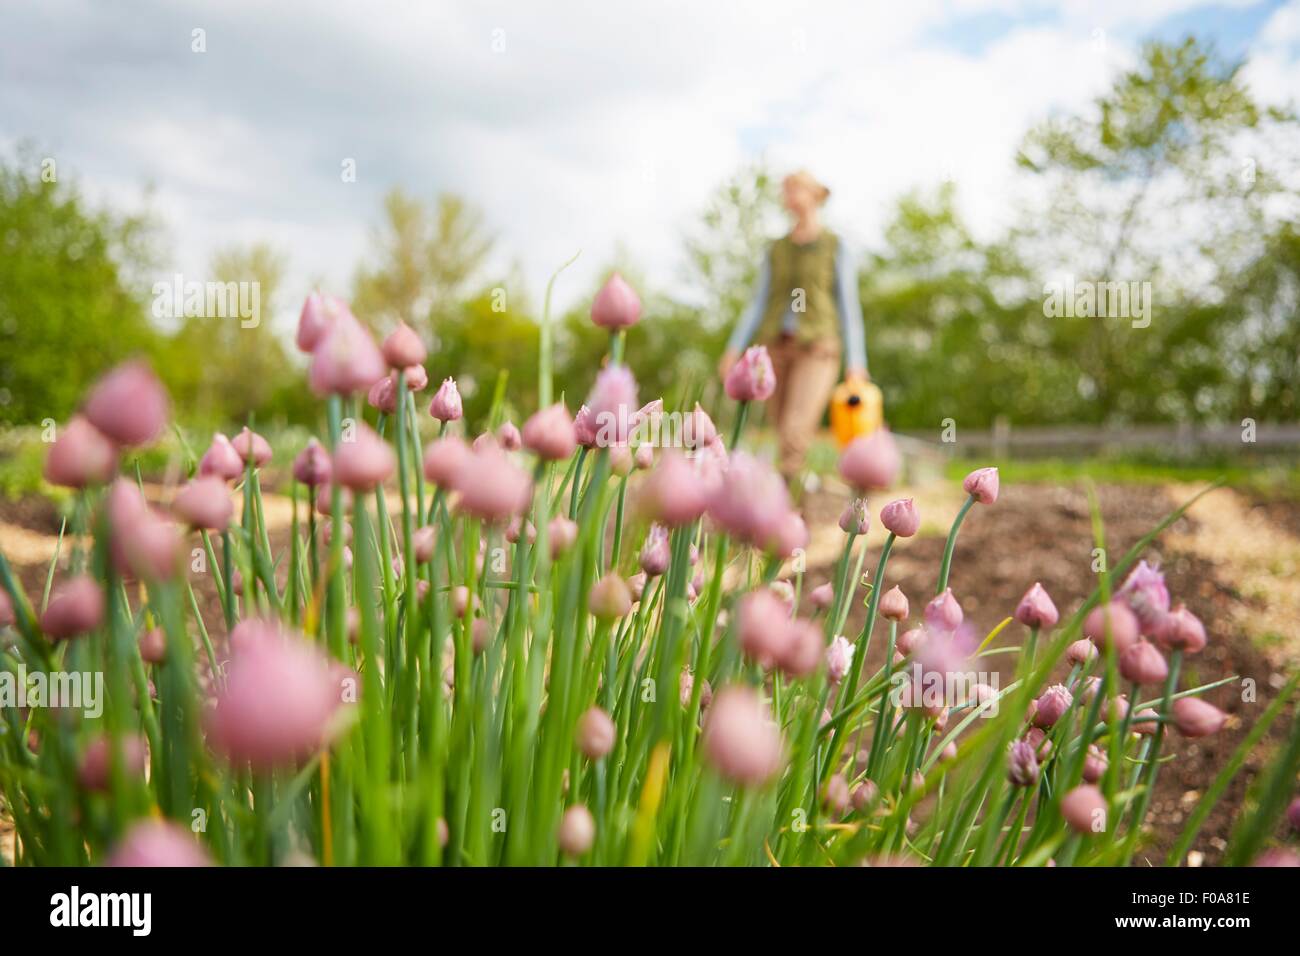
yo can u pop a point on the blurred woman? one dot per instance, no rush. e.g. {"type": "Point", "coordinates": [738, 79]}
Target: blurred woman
{"type": "Point", "coordinates": [806, 312]}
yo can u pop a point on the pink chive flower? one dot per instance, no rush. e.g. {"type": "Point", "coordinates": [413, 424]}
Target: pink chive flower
{"type": "Point", "coordinates": [445, 459]}
{"type": "Point", "coordinates": [643, 458]}
{"type": "Point", "coordinates": [1293, 814]}
{"type": "Point", "coordinates": [509, 437]}
{"type": "Point", "coordinates": [491, 486]}
{"type": "Point", "coordinates": [346, 359]}
{"type": "Point", "coordinates": [1182, 630]}
{"type": "Point", "coordinates": [982, 485]}
{"type": "Point", "coordinates": [153, 646]}
{"type": "Point", "coordinates": [940, 661]}
{"type": "Point", "coordinates": [1114, 618]}
{"type": "Point", "coordinates": [204, 503]}
{"type": "Point", "coordinates": [1037, 738]}
{"type": "Point", "coordinates": [312, 467]}
{"type": "Point", "coordinates": [785, 591]}
{"type": "Point", "coordinates": [655, 552]}
{"type": "Point", "coordinates": [1094, 764]}
{"type": "Point", "coordinates": [751, 500]}
{"type": "Point", "coordinates": [383, 395]}
{"type": "Point", "coordinates": [93, 773]}
{"type": "Point", "coordinates": [855, 518]}
{"type": "Point", "coordinates": [403, 347]}
{"type": "Point", "coordinates": [142, 543]}
{"type": "Point", "coordinates": [76, 607]}
{"type": "Point", "coordinates": [417, 378]}
{"type": "Point", "coordinates": [613, 402]}
{"type": "Point", "coordinates": [325, 495]}
{"type": "Point", "coordinates": [741, 740]}
{"type": "Point", "coordinates": [562, 533]}
{"type": "Point", "coordinates": [249, 443]}
{"type": "Point", "coordinates": [1141, 663]}
{"type": "Point", "coordinates": [648, 417]}
{"type": "Point", "coordinates": [1081, 651]}
{"type": "Point", "coordinates": [839, 655]}
{"type": "Point", "coordinates": [1147, 596]}
{"type": "Point", "coordinates": [1022, 765]}
{"type": "Point", "coordinates": [577, 833]}
{"type": "Point", "coordinates": [1278, 856]}
{"type": "Point", "coordinates": [550, 434]}
{"type": "Point", "coordinates": [1197, 718]}
{"type": "Point", "coordinates": [221, 460]}
{"type": "Point", "coordinates": [318, 316]}
{"type": "Point", "coordinates": [584, 427]}
{"type": "Point", "coordinates": [423, 541]}
{"type": "Point", "coordinates": [620, 460]}
{"type": "Point", "coordinates": [686, 689]}
{"type": "Point", "coordinates": [596, 733]}
{"type": "Point", "coordinates": [446, 405]}
{"type": "Point", "coordinates": [762, 629]}
{"type": "Point", "coordinates": [893, 605]}
{"type": "Point", "coordinates": [803, 648]}
{"type": "Point", "coordinates": [901, 518]}
{"type": "Point", "coordinates": [943, 612]}
{"type": "Point", "coordinates": [128, 405]}
{"type": "Point", "coordinates": [673, 493]}
{"type": "Point", "coordinates": [610, 598]}
{"type": "Point", "coordinates": [871, 462]}
{"type": "Point", "coordinates": [698, 430]}
{"type": "Point", "coordinates": [279, 702]}
{"type": "Point", "coordinates": [616, 305]}
{"type": "Point", "coordinates": [792, 536]}
{"type": "Point", "coordinates": [910, 640]}
{"type": "Point", "coordinates": [1036, 609]}
{"type": "Point", "coordinates": [363, 462]}
{"type": "Point", "coordinates": [822, 596]}
{"type": "Point", "coordinates": [751, 378]}
{"type": "Point", "coordinates": [1144, 722]}
{"type": "Point", "coordinates": [1052, 705]}
{"type": "Point", "coordinates": [158, 843]}
{"type": "Point", "coordinates": [1084, 809]}
{"type": "Point", "coordinates": [80, 456]}
{"type": "Point", "coordinates": [835, 795]}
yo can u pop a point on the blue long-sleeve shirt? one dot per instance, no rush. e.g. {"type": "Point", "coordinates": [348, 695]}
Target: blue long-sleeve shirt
{"type": "Point", "coordinates": [846, 303]}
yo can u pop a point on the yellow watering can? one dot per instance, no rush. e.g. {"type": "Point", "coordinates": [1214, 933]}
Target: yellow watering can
{"type": "Point", "coordinates": [857, 408]}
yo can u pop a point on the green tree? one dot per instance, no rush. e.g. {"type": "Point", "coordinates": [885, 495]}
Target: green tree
{"type": "Point", "coordinates": [68, 310]}
{"type": "Point", "coordinates": [725, 250]}
{"type": "Point", "coordinates": [1168, 178]}
{"type": "Point", "coordinates": [425, 259]}
{"type": "Point", "coordinates": [236, 368]}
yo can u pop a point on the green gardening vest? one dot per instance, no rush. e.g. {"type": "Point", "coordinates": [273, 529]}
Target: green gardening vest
{"type": "Point", "coordinates": [802, 278]}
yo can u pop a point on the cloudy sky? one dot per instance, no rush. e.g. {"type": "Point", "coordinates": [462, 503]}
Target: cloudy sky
{"type": "Point", "coordinates": [597, 126]}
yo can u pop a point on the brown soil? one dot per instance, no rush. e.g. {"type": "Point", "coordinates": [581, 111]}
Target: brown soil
{"type": "Point", "coordinates": [1043, 533]}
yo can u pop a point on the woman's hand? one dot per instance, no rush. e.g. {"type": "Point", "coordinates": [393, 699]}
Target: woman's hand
{"type": "Point", "coordinates": [728, 359]}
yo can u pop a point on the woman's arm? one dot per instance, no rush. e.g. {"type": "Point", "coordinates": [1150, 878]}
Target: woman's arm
{"type": "Point", "coordinates": [748, 324]}
{"type": "Point", "coordinates": [850, 310]}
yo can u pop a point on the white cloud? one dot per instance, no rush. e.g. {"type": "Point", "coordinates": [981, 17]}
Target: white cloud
{"type": "Point", "coordinates": [573, 125]}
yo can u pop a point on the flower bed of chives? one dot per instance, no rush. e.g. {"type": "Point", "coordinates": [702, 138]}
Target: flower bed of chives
{"type": "Point", "coordinates": [635, 683]}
